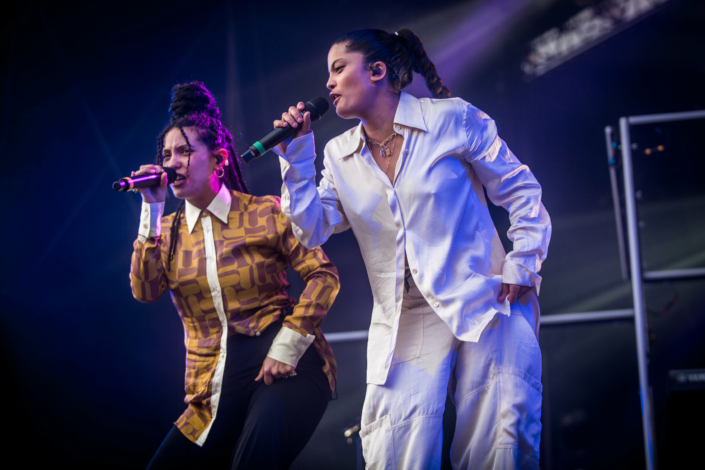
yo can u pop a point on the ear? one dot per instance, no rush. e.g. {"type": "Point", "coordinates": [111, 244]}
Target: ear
{"type": "Point", "coordinates": [378, 70]}
{"type": "Point", "coordinates": [221, 156]}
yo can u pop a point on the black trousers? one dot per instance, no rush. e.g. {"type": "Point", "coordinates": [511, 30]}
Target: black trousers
{"type": "Point", "coordinates": [257, 426]}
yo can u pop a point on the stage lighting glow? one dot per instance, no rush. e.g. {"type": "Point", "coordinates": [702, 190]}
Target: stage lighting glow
{"type": "Point", "coordinates": [587, 28]}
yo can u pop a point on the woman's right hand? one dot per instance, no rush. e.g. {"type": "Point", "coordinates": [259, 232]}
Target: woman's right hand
{"type": "Point", "coordinates": [155, 193]}
{"type": "Point", "coordinates": [294, 118]}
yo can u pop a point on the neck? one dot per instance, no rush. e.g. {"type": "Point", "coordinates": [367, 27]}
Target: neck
{"type": "Point", "coordinates": [206, 196]}
{"type": "Point", "coordinates": [379, 122]}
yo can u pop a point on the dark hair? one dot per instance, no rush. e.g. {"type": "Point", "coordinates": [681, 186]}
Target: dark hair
{"type": "Point", "coordinates": [192, 105]}
{"type": "Point", "coordinates": [403, 53]}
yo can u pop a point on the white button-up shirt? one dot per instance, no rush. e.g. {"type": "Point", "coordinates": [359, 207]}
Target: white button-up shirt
{"type": "Point", "coordinates": [435, 213]}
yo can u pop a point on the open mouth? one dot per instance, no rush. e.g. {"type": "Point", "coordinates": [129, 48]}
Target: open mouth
{"type": "Point", "coordinates": [335, 97]}
{"type": "Point", "coordinates": [180, 179]}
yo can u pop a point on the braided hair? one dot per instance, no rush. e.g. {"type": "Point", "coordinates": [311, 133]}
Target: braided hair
{"type": "Point", "coordinates": [192, 105]}
{"type": "Point", "coordinates": [402, 52]}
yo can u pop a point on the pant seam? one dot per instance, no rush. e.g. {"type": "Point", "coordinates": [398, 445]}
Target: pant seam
{"type": "Point", "coordinates": [508, 446]}
{"type": "Point", "coordinates": [406, 421]}
{"type": "Point", "coordinates": [477, 390]}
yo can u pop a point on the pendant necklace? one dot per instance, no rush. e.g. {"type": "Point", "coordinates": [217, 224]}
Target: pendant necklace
{"type": "Point", "coordinates": [385, 151]}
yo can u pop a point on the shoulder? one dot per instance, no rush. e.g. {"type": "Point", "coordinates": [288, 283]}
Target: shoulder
{"type": "Point", "coordinates": [446, 108]}
{"type": "Point", "coordinates": [250, 202]}
{"type": "Point", "coordinates": [456, 113]}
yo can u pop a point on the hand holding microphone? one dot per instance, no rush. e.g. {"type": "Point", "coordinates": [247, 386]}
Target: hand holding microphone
{"type": "Point", "coordinates": [298, 118]}
{"type": "Point", "coordinates": [150, 180]}
{"type": "Point", "coordinates": [294, 123]}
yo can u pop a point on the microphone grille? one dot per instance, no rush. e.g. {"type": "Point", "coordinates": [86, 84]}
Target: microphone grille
{"type": "Point", "coordinates": [317, 107]}
{"type": "Point", "coordinates": [170, 175]}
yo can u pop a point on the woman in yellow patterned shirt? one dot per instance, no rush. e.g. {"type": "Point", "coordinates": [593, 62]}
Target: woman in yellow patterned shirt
{"type": "Point", "coordinates": [255, 390]}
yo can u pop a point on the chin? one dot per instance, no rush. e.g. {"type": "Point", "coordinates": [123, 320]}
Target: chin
{"type": "Point", "coordinates": [345, 113]}
{"type": "Point", "coordinates": [179, 193]}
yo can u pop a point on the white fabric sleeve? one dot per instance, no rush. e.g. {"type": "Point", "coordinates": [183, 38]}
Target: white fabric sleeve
{"type": "Point", "coordinates": [510, 184]}
{"type": "Point", "coordinates": [315, 213]}
{"type": "Point", "coordinates": [150, 220]}
{"type": "Point", "coordinates": [289, 346]}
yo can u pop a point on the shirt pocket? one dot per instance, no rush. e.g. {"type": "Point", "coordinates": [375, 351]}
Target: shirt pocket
{"type": "Point", "coordinates": [409, 337]}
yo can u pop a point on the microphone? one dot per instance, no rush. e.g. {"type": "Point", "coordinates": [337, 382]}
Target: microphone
{"type": "Point", "coordinates": [144, 181]}
{"type": "Point", "coordinates": [317, 107]}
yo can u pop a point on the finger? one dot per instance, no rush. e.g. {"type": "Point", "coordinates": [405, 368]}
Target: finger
{"type": "Point", "coordinates": [307, 122]}
{"type": "Point", "coordinates": [268, 378]}
{"type": "Point", "coordinates": [261, 374]}
{"type": "Point", "coordinates": [513, 293]}
{"type": "Point", "coordinates": [290, 119]}
{"type": "Point", "coordinates": [301, 105]}
{"type": "Point", "coordinates": [279, 123]}
{"type": "Point", "coordinates": [523, 291]}
{"type": "Point", "coordinates": [296, 114]}
{"type": "Point", "coordinates": [503, 293]}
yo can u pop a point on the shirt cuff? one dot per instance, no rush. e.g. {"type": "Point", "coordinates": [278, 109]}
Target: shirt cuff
{"type": "Point", "coordinates": [515, 273]}
{"type": "Point", "coordinates": [299, 149]}
{"type": "Point", "coordinates": [288, 346]}
{"type": "Point", "coordinates": [150, 220]}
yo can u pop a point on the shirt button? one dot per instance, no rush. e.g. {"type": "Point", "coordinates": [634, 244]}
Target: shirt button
{"type": "Point", "coordinates": [258, 333]}
{"type": "Point", "coordinates": [146, 211]}
{"type": "Point", "coordinates": [414, 271]}
{"type": "Point", "coordinates": [208, 229]}
{"type": "Point", "coordinates": [145, 226]}
{"type": "Point", "coordinates": [406, 151]}
{"type": "Point", "coordinates": [397, 127]}
{"type": "Point", "coordinates": [436, 304]}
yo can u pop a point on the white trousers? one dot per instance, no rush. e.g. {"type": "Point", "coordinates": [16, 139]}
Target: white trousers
{"type": "Point", "coordinates": [494, 383]}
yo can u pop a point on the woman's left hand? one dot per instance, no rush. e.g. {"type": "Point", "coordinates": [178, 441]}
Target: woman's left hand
{"type": "Point", "coordinates": [273, 369]}
{"type": "Point", "coordinates": [512, 292]}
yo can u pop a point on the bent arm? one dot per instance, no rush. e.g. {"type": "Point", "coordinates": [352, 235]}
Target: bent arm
{"type": "Point", "coordinates": [510, 184]}
{"type": "Point", "coordinates": [322, 287]}
{"type": "Point", "coordinates": [315, 213]}
{"type": "Point", "coordinates": [147, 275]}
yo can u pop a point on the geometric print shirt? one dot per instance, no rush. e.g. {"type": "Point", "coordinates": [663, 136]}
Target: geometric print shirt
{"type": "Point", "coordinates": [228, 277]}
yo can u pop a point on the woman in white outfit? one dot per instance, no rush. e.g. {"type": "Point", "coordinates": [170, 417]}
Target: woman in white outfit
{"type": "Point", "coordinates": [452, 312]}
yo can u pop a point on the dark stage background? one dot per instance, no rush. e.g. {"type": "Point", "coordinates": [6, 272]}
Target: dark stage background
{"type": "Point", "coordinates": [94, 379]}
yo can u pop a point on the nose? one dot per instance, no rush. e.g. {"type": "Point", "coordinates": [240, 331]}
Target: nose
{"type": "Point", "coordinates": [331, 83]}
{"type": "Point", "coordinates": [173, 162]}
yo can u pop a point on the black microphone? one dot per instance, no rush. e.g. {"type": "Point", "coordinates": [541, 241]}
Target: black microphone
{"type": "Point", "coordinates": [317, 107]}
{"type": "Point", "coordinates": [144, 181]}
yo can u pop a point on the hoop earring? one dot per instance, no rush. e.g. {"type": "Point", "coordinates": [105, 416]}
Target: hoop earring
{"type": "Point", "coordinates": [222, 172]}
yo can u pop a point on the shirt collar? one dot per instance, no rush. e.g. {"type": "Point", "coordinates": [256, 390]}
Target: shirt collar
{"type": "Point", "coordinates": [409, 114]}
{"type": "Point", "coordinates": [219, 207]}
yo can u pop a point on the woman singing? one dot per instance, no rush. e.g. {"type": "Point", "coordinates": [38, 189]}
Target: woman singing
{"type": "Point", "coordinates": [255, 390]}
{"type": "Point", "coordinates": [452, 312]}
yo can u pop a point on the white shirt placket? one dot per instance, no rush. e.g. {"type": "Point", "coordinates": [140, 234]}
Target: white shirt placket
{"type": "Point", "coordinates": [216, 292]}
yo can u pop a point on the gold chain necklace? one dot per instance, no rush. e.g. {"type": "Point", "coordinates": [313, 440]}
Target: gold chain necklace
{"type": "Point", "coordinates": [384, 149]}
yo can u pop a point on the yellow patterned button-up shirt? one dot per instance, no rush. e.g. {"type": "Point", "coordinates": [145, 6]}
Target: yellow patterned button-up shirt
{"type": "Point", "coordinates": [228, 273]}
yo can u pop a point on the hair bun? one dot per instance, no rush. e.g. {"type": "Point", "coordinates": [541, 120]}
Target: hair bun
{"type": "Point", "coordinates": [192, 98]}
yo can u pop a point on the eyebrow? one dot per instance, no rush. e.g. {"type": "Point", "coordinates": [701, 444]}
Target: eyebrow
{"type": "Point", "coordinates": [178, 148]}
{"type": "Point", "coordinates": [332, 66]}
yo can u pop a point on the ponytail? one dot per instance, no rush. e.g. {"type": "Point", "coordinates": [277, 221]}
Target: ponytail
{"type": "Point", "coordinates": [421, 64]}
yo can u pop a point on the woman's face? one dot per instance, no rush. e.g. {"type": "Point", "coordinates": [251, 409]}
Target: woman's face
{"type": "Point", "coordinates": [196, 179]}
{"type": "Point", "coordinates": [351, 83]}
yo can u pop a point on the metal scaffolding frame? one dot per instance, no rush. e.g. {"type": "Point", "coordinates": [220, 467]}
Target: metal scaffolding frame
{"type": "Point", "coordinates": [637, 276]}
